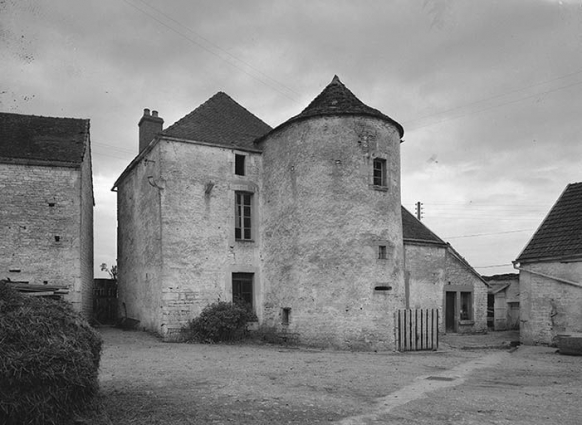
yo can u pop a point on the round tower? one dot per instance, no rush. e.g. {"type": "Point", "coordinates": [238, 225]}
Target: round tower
{"type": "Point", "coordinates": [331, 226]}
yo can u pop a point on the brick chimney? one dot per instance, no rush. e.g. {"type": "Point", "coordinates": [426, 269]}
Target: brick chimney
{"type": "Point", "coordinates": [149, 127]}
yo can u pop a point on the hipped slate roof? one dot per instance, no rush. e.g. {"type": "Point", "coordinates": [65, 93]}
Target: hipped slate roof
{"type": "Point", "coordinates": [414, 231]}
{"type": "Point", "coordinates": [560, 234]}
{"type": "Point", "coordinates": [219, 120]}
{"type": "Point", "coordinates": [36, 139]}
{"type": "Point", "coordinates": [337, 99]}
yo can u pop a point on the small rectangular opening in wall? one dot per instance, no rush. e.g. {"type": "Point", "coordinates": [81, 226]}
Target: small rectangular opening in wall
{"type": "Point", "coordinates": [382, 252]}
{"type": "Point", "coordinates": [14, 270]}
{"type": "Point", "coordinates": [379, 177]}
{"type": "Point", "coordinates": [57, 238]}
{"type": "Point", "coordinates": [51, 204]}
{"type": "Point", "coordinates": [285, 315]}
{"type": "Point", "coordinates": [382, 288]}
{"type": "Point", "coordinates": [239, 165]}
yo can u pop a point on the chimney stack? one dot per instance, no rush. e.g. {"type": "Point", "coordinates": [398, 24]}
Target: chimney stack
{"type": "Point", "coordinates": [149, 127]}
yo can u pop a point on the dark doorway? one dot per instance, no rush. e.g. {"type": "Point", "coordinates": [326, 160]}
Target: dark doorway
{"type": "Point", "coordinates": [450, 312]}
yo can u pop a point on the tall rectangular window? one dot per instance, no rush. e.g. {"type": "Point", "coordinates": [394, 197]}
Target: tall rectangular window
{"type": "Point", "coordinates": [466, 306]}
{"type": "Point", "coordinates": [382, 252]}
{"type": "Point", "coordinates": [239, 165]}
{"type": "Point", "coordinates": [379, 172]}
{"type": "Point", "coordinates": [242, 288]}
{"type": "Point", "coordinates": [243, 216]}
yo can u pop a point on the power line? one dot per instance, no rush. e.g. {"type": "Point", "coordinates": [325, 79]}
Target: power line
{"type": "Point", "coordinates": [488, 234]}
{"type": "Point", "coordinates": [494, 97]}
{"type": "Point", "coordinates": [497, 106]}
{"type": "Point", "coordinates": [211, 51]}
{"type": "Point", "coordinates": [217, 47]}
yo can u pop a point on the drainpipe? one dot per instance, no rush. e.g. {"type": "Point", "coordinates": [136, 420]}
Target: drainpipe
{"type": "Point", "coordinates": [557, 279]}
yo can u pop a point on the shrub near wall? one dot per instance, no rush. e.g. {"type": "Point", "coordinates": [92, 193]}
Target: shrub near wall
{"type": "Point", "coordinates": [219, 322]}
{"type": "Point", "coordinates": [49, 360]}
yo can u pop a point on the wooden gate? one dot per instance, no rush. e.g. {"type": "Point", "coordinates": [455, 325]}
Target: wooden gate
{"type": "Point", "coordinates": [416, 329]}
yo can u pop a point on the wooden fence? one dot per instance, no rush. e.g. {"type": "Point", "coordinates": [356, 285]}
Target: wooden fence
{"type": "Point", "coordinates": [416, 329]}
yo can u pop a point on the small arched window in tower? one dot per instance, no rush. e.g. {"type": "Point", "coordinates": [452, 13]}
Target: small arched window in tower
{"type": "Point", "coordinates": [379, 178]}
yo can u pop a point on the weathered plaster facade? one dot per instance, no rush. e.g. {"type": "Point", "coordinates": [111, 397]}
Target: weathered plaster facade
{"type": "Point", "coordinates": [46, 209]}
{"type": "Point", "coordinates": [550, 273]}
{"type": "Point", "coordinates": [504, 298]}
{"type": "Point", "coordinates": [303, 221]}
{"type": "Point", "coordinates": [322, 222]}
{"type": "Point", "coordinates": [550, 305]}
{"type": "Point", "coordinates": [432, 271]}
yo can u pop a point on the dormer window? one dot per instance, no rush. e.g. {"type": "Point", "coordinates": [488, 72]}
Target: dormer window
{"type": "Point", "coordinates": [239, 165]}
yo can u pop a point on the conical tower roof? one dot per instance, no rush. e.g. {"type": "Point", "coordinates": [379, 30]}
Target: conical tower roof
{"type": "Point", "coordinates": [337, 99]}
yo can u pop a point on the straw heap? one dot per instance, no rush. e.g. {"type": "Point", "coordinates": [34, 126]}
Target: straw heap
{"type": "Point", "coordinates": [49, 360]}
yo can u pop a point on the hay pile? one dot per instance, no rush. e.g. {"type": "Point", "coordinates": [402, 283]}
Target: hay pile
{"type": "Point", "coordinates": [49, 360]}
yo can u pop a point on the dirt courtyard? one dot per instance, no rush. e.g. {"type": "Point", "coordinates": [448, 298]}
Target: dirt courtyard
{"type": "Point", "coordinates": [146, 381]}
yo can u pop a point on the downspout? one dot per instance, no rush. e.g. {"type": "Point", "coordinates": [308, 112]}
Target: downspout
{"type": "Point", "coordinates": [557, 279]}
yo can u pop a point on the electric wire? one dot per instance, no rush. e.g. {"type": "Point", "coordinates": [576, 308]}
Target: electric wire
{"type": "Point", "coordinates": [191, 40]}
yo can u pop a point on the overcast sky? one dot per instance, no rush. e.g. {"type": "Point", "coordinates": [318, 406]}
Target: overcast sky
{"type": "Point", "coordinates": [489, 92]}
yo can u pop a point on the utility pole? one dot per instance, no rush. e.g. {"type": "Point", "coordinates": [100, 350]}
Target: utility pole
{"type": "Point", "coordinates": [419, 210]}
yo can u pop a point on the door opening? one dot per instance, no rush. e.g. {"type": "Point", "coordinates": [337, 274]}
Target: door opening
{"type": "Point", "coordinates": [450, 312]}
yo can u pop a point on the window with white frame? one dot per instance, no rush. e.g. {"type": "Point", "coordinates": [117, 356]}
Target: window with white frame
{"type": "Point", "coordinates": [243, 216]}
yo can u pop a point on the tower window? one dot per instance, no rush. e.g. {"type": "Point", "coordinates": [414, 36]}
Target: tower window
{"type": "Point", "coordinates": [382, 252]}
{"type": "Point", "coordinates": [243, 216]}
{"type": "Point", "coordinates": [239, 165]}
{"type": "Point", "coordinates": [285, 315]}
{"type": "Point", "coordinates": [379, 178]}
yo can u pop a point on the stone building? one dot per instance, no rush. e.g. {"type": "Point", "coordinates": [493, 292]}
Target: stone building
{"type": "Point", "coordinates": [503, 301]}
{"type": "Point", "coordinates": [303, 221]}
{"type": "Point", "coordinates": [46, 204]}
{"type": "Point", "coordinates": [550, 273]}
{"type": "Point", "coordinates": [437, 276]}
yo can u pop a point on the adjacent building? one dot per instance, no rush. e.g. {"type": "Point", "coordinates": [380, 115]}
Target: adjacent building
{"type": "Point", "coordinates": [46, 204]}
{"type": "Point", "coordinates": [550, 273]}
{"type": "Point", "coordinates": [437, 276]}
{"type": "Point", "coordinates": [503, 301]}
{"type": "Point", "coordinates": [303, 222]}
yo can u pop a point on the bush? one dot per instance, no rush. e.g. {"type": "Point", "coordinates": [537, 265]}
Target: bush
{"type": "Point", "coordinates": [49, 360]}
{"type": "Point", "coordinates": [220, 321]}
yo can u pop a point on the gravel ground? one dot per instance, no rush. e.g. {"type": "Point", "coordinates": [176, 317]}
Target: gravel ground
{"type": "Point", "coordinates": [145, 381]}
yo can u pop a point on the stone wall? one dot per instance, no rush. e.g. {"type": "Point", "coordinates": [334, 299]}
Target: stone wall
{"type": "Point", "coordinates": [139, 242]}
{"type": "Point", "coordinates": [549, 307]}
{"type": "Point", "coordinates": [425, 275]}
{"type": "Point", "coordinates": [40, 227]}
{"type": "Point", "coordinates": [86, 234]}
{"type": "Point", "coordinates": [199, 246]}
{"type": "Point", "coordinates": [460, 275]}
{"type": "Point", "coordinates": [321, 227]}
{"type": "Point", "coordinates": [177, 248]}
{"type": "Point", "coordinates": [431, 270]}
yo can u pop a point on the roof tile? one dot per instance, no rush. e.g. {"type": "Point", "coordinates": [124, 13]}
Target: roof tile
{"type": "Point", "coordinates": [219, 120]}
{"type": "Point", "coordinates": [45, 139]}
{"type": "Point", "coordinates": [337, 99]}
{"type": "Point", "coordinates": [560, 234]}
{"type": "Point", "coordinates": [413, 229]}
